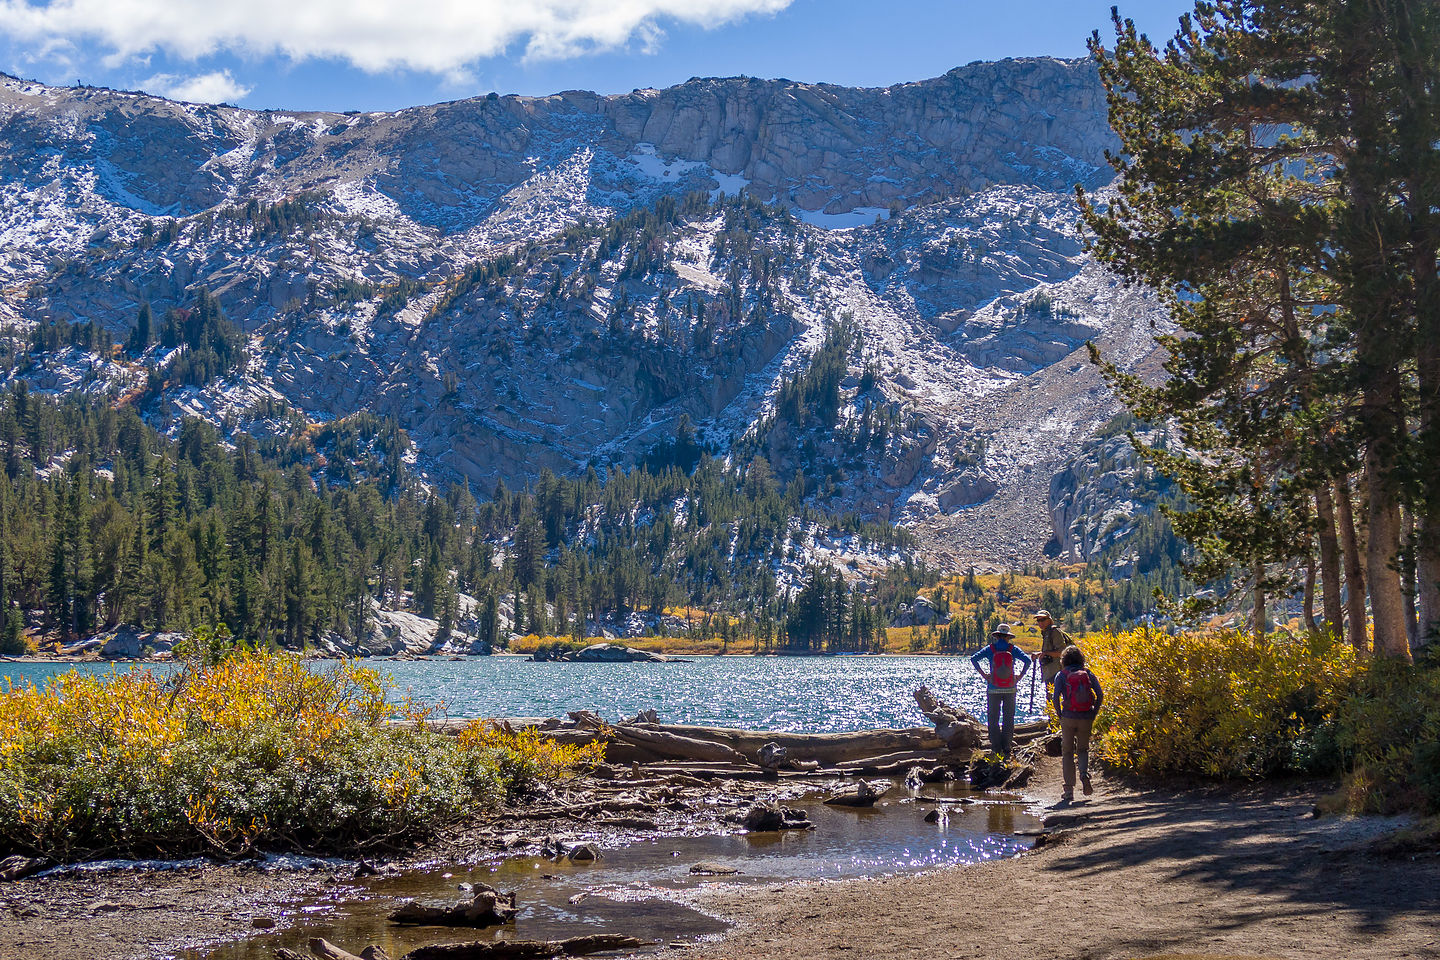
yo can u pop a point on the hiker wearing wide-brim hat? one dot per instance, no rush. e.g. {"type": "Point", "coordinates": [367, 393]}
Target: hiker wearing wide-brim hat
{"type": "Point", "coordinates": [1002, 680]}
{"type": "Point", "coordinates": [1053, 642]}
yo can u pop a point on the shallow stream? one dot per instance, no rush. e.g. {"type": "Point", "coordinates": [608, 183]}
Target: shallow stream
{"type": "Point", "coordinates": [631, 889]}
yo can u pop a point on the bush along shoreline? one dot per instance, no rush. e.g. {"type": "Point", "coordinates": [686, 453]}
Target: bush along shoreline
{"type": "Point", "coordinates": [242, 751]}
{"type": "Point", "coordinates": [247, 752]}
{"type": "Point", "coordinates": [1227, 705]}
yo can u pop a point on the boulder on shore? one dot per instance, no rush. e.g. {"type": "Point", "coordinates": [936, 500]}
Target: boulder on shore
{"type": "Point", "coordinates": [958, 729]}
{"type": "Point", "coordinates": [773, 756]}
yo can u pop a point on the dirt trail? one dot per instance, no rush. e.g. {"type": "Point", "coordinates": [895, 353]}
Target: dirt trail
{"type": "Point", "coordinates": [1146, 873]}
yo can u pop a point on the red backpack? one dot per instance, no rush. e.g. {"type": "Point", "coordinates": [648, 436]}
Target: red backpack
{"type": "Point", "coordinates": [1077, 694]}
{"type": "Point", "coordinates": [1002, 667]}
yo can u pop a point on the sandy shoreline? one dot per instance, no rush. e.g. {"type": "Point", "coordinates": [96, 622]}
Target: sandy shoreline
{"type": "Point", "coordinates": [1137, 872]}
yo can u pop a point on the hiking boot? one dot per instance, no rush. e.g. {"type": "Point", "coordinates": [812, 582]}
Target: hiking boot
{"type": "Point", "coordinates": [1067, 797]}
{"type": "Point", "coordinates": [1085, 786]}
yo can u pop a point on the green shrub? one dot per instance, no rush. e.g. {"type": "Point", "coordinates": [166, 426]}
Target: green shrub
{"type": "Point", "coordinates": [1387, 733]}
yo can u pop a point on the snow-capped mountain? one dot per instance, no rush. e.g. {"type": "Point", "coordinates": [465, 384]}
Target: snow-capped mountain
{"type": "Point", "coordinates": [524, 283]}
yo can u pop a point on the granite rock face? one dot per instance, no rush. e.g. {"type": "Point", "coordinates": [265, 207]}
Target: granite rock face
{"type": "Point", "coordinates": [427, 265]}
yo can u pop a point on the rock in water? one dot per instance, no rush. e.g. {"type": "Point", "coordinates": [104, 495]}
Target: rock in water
{"type": "Point", "coordinates": [770, 817]}
{"type": "Point", "coordinates": [583, 853]}
{"type": "Point", "coordinates": [489, 907]}
{"type": "Point", "coordinates": [863, 794]}
{"type": "Point", "coordinates": [706, 868]}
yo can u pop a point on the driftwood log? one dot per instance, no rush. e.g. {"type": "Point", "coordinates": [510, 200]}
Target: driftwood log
{"type": "Point", "coordinates": [905, 759]}
{"type": "Point", "coordinates": [627, 743]}
{"type": "Point", "coordinates": [526, 949]}
{"type": "Point", "coordinates": [954, 726]}
{"type": "Point", "coordinates": [826, 748]}
{"type": "Point", "coordinates": [676, 746]}
{"type": "Point", "coordinates": [325, 950]}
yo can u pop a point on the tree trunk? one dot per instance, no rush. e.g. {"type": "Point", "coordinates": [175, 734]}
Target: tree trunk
{"type": "Point", "coordinates": [1427, 520]}
{"type": "Point", "coordinates": [1329, 563]}
{"type": "Point", "coordinates": [1382, 539]}
{"type": "Point", "coordinates": [1308, 606]}
{"type": "Point", "coordinates": [1354, 569]}
{"type": "Point", "coordinates": [1421, 125]}
{"type": "Point", "coordinates": [1258, 614]}
{"type": "Point", "coordinates": [1407, 574]}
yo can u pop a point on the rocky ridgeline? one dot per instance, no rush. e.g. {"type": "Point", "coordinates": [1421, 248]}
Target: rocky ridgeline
{"type": "Point", "coordinates": [1098, 500]}
{"type": "Point", "coordinates": [346, 245]}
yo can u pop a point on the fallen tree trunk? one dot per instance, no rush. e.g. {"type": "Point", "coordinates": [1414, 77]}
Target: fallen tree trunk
{"type": "Point", "coordinates": [908, 757]}
{"type": "Point", "coordinates": [325, 950]}
{"type": "Point", "coordinates": [637, 742]}
{"type": "Point", "coordinates": [319, 947]}
{"type": "Point", "coordinates": [526, 949]}
{"type": "Point", "coordinates": [676, 745]}
{"type": "Point", "coordinates": [826, 748]}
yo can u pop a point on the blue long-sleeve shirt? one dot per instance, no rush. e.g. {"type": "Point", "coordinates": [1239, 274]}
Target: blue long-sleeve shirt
{"type": "Point", "coordinates": [987, 654]}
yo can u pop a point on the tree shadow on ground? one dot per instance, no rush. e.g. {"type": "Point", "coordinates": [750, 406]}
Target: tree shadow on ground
{"type": "Point", "coordinates": [1264, 847]}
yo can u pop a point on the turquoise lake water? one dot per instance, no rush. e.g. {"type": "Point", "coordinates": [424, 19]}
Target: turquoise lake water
{"type": "Point", "coordinates": [807, 694]}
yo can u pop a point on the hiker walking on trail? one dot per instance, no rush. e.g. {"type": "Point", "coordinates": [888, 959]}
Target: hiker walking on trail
{"type": "Point", "coordinates": [1003, 679]}
{"type": "Point", "coordinates": [1053, 642]}
{"type": "Point", "coordinates": [1077, 700]}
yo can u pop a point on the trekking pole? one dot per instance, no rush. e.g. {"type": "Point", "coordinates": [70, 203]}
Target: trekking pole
{"type": "Point", "coordinates": [1032, 685]}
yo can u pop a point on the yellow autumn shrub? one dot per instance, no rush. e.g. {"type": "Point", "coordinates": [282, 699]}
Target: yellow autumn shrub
{"type": "Point", "coordinates": [251, 750]}
{"type": "Point", "coordinates": [1219, 703]}
{"type": "Point", "coordinates": [526, 758]}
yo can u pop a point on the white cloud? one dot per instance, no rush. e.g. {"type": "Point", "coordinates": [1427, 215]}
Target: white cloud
{"type": "Point", "coordinates": [216, 87]}
{"type": "Point", "coordinates": [437, 36]}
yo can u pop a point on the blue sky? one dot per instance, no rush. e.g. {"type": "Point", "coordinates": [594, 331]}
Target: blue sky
{"type": "Point", "coordinates": [384, 54]}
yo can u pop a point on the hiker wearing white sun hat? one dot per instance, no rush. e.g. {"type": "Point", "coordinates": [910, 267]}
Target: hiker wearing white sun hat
{"type": "Point", "coordinates": [1001, 655]}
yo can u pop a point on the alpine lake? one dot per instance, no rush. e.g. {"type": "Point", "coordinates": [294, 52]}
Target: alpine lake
{"type": "Point", "coordinates": [645, 887]}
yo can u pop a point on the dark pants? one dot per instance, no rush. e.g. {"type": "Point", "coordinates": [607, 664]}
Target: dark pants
{"type": "Point", "coordinates": [1000, 714]}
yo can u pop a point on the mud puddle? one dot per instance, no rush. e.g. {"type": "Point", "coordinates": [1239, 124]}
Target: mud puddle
{"type": "Point", "coordinates": [628, 890]}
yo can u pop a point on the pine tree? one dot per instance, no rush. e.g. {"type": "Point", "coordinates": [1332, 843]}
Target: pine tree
{"type": "Point", "coordinates": [140, 336]}
{"type": "Point", "coordinates": [1282, 257]}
